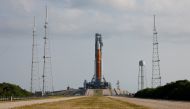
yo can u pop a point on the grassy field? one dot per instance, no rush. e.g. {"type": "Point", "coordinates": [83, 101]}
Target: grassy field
{"type": "Point", "coordinates": [94, 102]}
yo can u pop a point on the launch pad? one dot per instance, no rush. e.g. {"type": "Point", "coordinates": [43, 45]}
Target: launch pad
{"type": "Point", "coordinates": [97, 85]}
{"type": "Point", "coordinates": [97, 82]}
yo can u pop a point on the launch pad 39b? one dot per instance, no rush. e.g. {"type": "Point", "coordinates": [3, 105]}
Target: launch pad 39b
{"type": "Point", "coordinates": [97, 82]}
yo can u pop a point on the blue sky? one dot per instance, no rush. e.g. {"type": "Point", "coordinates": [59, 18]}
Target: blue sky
{"type": "Point", "coordinates": [126, 26]}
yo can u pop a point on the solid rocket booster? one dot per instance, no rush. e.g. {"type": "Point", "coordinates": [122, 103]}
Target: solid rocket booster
{"type": "Point", "coordinates": [98, 57]}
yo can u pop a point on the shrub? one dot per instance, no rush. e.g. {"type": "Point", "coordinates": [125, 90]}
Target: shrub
{"type": "Point", "coordinates": [7, 89]}
{"type": "Point", "coordinates": [178, 90]}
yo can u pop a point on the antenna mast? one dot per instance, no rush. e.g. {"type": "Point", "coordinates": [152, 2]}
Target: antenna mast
{"type": "Point", "coordinates": [35, 62]}
{"type": "Point", "coordinates": [47, 68]}
{"type": "Point", "coordinates": [156, 77]}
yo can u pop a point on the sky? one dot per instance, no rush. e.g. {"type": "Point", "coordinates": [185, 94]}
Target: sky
{"type": "Point", "coordinates": [127, 30]}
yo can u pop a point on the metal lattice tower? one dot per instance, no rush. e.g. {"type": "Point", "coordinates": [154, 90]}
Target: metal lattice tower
{"type": "Point", "coordinates": [35, 78]}
{"type": "Point", "coordinates": [47, 67]}
{"type": "Point", "coordinates": [141, 75]}
{"type": "Point", "coordinates": [156, 77]}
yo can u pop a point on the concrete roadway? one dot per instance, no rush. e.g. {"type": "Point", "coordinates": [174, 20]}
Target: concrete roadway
{"type": "Point", "coordinates": [156, 104]}
{"type": "Point", "coordinates": [9, 105]}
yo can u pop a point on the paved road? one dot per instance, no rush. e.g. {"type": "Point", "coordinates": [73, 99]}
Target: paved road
{"type": "Point", "coordinates": [8, 105]}
{"type": "Point", "coordinates": [157, 104]}
{"type": "Point", "coordinates": [106, 92]}
{"type": "Point", "coordinates": [89, 92]}
{"type": "Point", "coordinates": [92, 92]}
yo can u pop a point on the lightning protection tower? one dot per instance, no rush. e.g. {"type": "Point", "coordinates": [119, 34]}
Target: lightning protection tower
{"type": "Point", "coordinates": [141, 76]}
{"type": "Point", "coordinates": [35, 78]}
{"type": "Point", "coordinates": [156, 78]}
{"type": "Point", "coordinates": [47, 75]}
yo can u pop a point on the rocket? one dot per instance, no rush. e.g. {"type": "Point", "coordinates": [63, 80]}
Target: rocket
{"type": "Point", "coordinates": [97, 82]}
{"type": "Point", "coordinates": [98, 57]}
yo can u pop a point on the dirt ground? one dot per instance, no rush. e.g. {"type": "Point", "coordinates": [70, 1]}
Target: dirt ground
{"type": "Point", "coordinates": [157, 104]}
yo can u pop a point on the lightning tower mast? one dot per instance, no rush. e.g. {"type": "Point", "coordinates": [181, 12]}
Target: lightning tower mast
{"type": "Point", "coordinates": [35, 63]}
{"type": "Point", "coordinates": [47, 70]}
{"type": "Point", "coordinates": [156, 77]}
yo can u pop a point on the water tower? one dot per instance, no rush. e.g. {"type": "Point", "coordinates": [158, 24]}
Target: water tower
{"type": "Point", "coordinates": [141, 75]}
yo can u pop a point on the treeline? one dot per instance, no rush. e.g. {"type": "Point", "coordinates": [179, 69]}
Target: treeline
{"type": "Point", "coordinates": [7, 90]}
{"type": "Point", "coordinates": [179, 90]}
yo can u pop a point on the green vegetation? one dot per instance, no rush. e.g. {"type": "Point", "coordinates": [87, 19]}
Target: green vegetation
{"type": "Point", "coordinates": [94, 102]}
{"type": "Point", "coordinates": [7, 90]}
{"type": "Point", "coordinates": [179, 90]}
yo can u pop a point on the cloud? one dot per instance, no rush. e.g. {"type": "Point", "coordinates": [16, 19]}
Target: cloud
{"type": "Point", "coordinates": [75, 18]}
{"type": "Point", "coordinates": [28, 5]}
{"type": "Point", "coordinates": [120, 4]}
{"type": "Point", "coordinates": [167, 7]}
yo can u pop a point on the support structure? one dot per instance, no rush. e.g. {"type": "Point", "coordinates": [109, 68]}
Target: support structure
{"type": "Point", "coordinates": [141, 75]}
{"type": "Point", "coordinates": [156, 77]}
{"type": "Point", "coordinates": [47, 67]}
{"type": "Point", "coordinates": [34, 85]}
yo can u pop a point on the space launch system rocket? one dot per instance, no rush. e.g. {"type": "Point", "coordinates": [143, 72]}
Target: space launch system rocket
{"type": "Point", "coordinates": [97, 82]}
{"type": "Point", "coordinates": [98, 57]}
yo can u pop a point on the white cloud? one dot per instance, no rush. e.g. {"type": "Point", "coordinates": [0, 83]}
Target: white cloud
{"type": "Point", "coordinates": [120, 4]}
{"type": "Point", "coordinates": [28, 5]}
{"type": "Point", "coordinates": [110, 16]}
{"type": "Point", "coordinates": [167, 7]}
